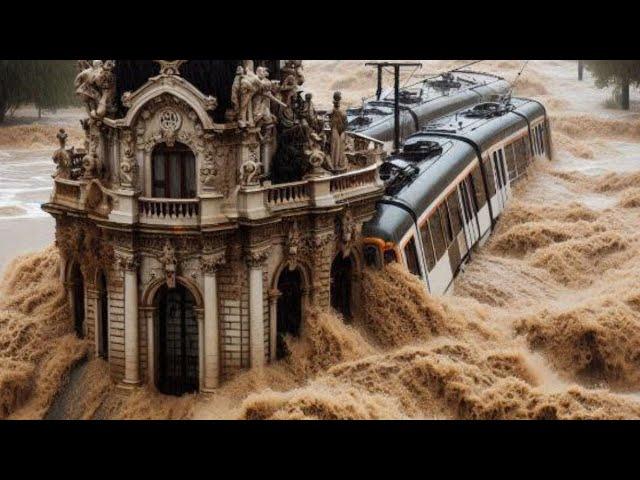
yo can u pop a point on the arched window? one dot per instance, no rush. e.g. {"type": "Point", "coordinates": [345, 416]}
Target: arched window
{"type": "Point", "coordinates": [289, 317]}
{"type": "Point", "coordinates": [77, 281]}
{"type": "Point", "coordinates": [341, 285]}
{"type": "Point", "coordinates": [173, 171]}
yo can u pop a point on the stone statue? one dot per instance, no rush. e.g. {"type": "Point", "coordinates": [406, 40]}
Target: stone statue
{"type": "Point", "coordinates": [96, 86]}
{"type": "Point", "coordinates": [245, 86]}
{"type": "Point", "coordinates": [338, 120]}
{"type": "Point", "coordinates": [315, 155]}
{"type": "Point", "coordinates": [168, 259]}
{"type": "Point", "coordinates": [310, 115]}
{"type": "Point", "coordinates": [262, 99]}
{"type": "Point", "coordinates": [62, 157]}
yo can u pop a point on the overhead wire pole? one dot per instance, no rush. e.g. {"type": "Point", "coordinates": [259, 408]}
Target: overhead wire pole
{"type": "Point", "coordinates": [396, 87]}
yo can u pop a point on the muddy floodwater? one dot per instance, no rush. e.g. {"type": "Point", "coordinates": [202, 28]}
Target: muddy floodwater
{"type": "Point", "coordinates": [543, 323]}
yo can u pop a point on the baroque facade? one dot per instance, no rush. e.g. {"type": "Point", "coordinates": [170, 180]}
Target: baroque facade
{"type": "Point", "coordinates": [189, 247]}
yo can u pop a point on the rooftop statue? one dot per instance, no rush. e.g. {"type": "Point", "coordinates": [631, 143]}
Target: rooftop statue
{"type": "Point", "coordinates": [338, 120]}
{"type": "Point", "coordinates": [95, 85]}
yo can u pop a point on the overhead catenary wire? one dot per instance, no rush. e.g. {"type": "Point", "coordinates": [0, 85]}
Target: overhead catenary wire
{"type": "Point", "coordinates": [428, 76]}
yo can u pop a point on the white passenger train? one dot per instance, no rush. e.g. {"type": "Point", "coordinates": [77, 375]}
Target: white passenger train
{"type": "Point", "coordinates": [449, 185]}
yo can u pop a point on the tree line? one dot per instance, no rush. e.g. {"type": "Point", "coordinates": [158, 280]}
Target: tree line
{"type": "Point", "coordinates": [619, 74]}
{"type": "Point", "coordinates": [46, 84]}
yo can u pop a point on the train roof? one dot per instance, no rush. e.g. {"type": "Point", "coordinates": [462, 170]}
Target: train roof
{"type": "Point", "coordinates": [436, 92]}
{"type": "Point", "coordinates": [436, 172]}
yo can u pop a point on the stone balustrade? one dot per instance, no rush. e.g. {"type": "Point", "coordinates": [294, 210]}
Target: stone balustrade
{"type": "Point", "coordinates": [68, 193]}
{"type": "Point", "coordinates": [169, 211]}
{"type": "Point", "coordinates": [288, 195]}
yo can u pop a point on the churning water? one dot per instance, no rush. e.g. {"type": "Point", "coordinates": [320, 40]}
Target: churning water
{"type": "Point", "coordinates": [544, 322]}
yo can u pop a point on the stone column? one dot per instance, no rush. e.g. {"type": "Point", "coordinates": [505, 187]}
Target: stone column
{"type": "Point", "coordinates": [129, 265]}
{"type": "Point", "coordinates": [273, 322]}
{"type": "Point", "coordinates": [211, 354]}
{"type": "Point", "coordinates": [255, 261]}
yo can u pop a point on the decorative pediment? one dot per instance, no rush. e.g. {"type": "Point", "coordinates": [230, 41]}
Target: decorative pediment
{"type": "Point", "coordinates": [173, 85]}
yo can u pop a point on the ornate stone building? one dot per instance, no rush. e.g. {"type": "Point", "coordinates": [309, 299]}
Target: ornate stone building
{"type": "Point", "coordinates": [194, 239]}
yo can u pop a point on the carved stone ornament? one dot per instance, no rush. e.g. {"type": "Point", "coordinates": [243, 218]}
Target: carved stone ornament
{"type": "Point", "coordinates": [169, 260]}
{"type": "Point", "coordinates": [170, 67]}
{"type": "Point", "coordinates": [256, 258]}
{"type": "Point", "coordinates": [250, 172]}
{"type": "Point", "coordinates": [348, 232]}
{"type": "Point", "coordinates": [128, 262]}
{"type": "Point", "coordinates": [211, 263]}
{"type": "Point", "coordinates": [292, 245]}
{"type": "Point", "coordinates": [128, 164]}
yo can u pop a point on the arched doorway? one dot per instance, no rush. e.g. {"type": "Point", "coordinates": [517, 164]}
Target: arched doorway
{"type": "Point", "coordinates": [173, 171]}
{"type": "Point", "coordinates": [289, 316]}
{"type": "Point", "coordinates": [103, 317]}
{"type": "Point", "coordinates": [177, 341]}
{"type": "Point", "coordinates": [77, 291]}
{"type": "Point", "coordinates": [341, 285]}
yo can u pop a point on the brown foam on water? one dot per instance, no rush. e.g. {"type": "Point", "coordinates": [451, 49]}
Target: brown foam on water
{"type": "Point", "coordinates": [599, 341]}
{"type": "Point", "coordinates": [630, 198]}
{"type": "Point", "coordinates": [37, 136]}
{"type": "Point", "coordinates": [12, 211]}
{"type": "Point", "coordinates": [37, 348]}
{"type": "Point", "coordinates": [581, 126]}
{"type": "Point", "coordinates": [545, 312]}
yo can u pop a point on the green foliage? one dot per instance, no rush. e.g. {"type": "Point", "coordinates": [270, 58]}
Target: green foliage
{"type": "Point", "coordinates": [620, 74]}
{"type": "Point", "coordinates": [48, 84]}
{"type": "Point", "coordinates": [614, 72]}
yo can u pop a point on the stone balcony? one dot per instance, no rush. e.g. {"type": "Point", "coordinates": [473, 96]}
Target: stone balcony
{"type": "Point", "coordinates": [253, 202]}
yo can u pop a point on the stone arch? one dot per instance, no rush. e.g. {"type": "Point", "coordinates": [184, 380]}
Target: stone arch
{"type": "Point", "coordinates": [76, 288]}
{"type": "Point", "coordinates": [149, 312]}
{"type": "Point", "coordinates": [152, 289]}
{"type": "Point", "coordinates": [176, 87]}
{"type": "Point", "coordinates": [295, 280]}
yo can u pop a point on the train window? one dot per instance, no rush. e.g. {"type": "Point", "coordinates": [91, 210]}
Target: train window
{"type": "Point", "coordinates": [473, 202]}
{"type": "Point", "coordinates": [411, 255]}
{"type": "Point", "coordinates": [427, 244]}
{"type": "Point", "coordinates": [501, 165]}
{"type": "Point", "coordinates": [454, 212]}
{"type": "Point", "coordinates": [465, 202]}
{"type": "Point", "coordinates": [521, 155]}
{"type": "Point", "coordinates": [542, 139]}
{"type": "Point", "coordinates": [510, 151]}
{"type": "Point", "coordinates": [478, 187]}
{"type": "Point", "coordinates": [435, 225]}
{"type": "Point", "coordinates": [446, 223]}
{"type": "Point", "coordinates": [491, 181]}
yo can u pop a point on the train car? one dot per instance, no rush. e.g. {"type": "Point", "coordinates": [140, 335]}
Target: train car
{"type": "Point", "coordinates": [423, 102]}
{"type": "Point", "coordinates": [449, 185]}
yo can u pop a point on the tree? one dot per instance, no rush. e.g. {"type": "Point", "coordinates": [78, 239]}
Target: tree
{"type": "Point", "coordinates": [45, 83]}
{"type": "Point", "coordinates": [621, 74]}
